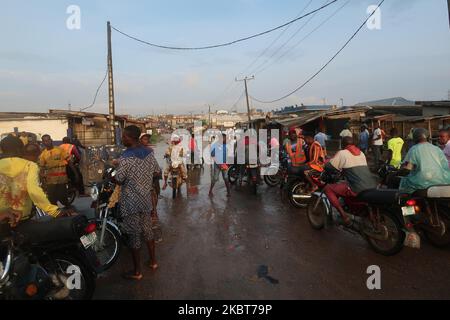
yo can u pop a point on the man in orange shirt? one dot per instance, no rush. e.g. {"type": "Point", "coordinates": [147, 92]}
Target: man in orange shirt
{"type": "Point", "coordinates": [316, 159]}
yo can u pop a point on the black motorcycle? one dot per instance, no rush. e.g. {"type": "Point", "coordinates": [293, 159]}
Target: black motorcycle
{"type": "Point", "coordinates": [237, 173]}
{"type": "Point", "coordinates": [48, 259]}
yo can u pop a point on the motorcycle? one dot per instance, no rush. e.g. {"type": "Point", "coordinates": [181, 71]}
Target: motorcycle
{"type": "Point", "coordinates": [429, 213]}
{"type": "Point", "coordinates": [378, 215]}
{"type": "Point", "coordinates": [108, 219]}
{"type": "Point", "coordinates": [48, 260]}
{"type": "Point", "coordinates": [110, 238]}
{"type": "Point", "coordinates": [429, 210]}
{"type": "Point", "coordinates": [175, 176]}
{"type": "Point", "coordinates": [251, 171]}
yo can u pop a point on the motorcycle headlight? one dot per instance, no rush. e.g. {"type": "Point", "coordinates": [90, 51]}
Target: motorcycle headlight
{"type": "Point", "coordinates": [94, 193]}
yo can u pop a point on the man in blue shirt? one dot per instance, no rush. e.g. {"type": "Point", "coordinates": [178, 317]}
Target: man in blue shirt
{"type": "Point", "coordinates": [364, 140]}
{"type": "Point", "coordinates": [427, 163]}
{"type": "Point", "coordinates": [219, 156]}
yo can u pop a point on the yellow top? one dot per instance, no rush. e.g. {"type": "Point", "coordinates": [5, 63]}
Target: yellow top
{"type": "Point", "coordinates": [19, 188]}
{"type": "Point", "coordinates": [53, 162]}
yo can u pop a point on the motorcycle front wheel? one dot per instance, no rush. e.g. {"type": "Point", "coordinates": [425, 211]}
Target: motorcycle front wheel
{"type": "Point", "coordinates": [298, 196]}
{"type": "Point", "coordinates": [233, 173]}
{"type": "Point", "coordinates": [71, 194]}
{"type": "Point", "coordinates": [317, 213]}
{"type": "Point", "coordinates": [109, 251]}
{"type": "Point", "coordinates": [174, 188]}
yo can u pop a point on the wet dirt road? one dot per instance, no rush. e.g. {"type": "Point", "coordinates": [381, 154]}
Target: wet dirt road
{"type": "Point", "coordinates": [220, 248]}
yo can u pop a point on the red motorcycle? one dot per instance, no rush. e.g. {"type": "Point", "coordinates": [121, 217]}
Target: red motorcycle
{"type": "Point", "coordinates": [376, 214]}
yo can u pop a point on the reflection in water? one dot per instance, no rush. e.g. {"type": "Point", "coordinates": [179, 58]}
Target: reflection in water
{"type": "Point", "coordinates": [193, 182]}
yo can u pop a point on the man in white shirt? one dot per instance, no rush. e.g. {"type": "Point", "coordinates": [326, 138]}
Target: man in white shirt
{"type": "Point", "coordinates": [444, 141]}
{"type": "Point", "coordinates": [346, 132]}
{"type": "Point", "coordinates": [377, 145]}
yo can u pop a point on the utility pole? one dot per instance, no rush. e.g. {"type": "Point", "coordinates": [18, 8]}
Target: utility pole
{"type": "Point", "coordinates": [245, 80]}
{"type": "Point", "coordinates": [112, 106]}
{"type": "Point", "coordinates": [209, 115]}
{"type": "Point", "coordinates": [448, 5]}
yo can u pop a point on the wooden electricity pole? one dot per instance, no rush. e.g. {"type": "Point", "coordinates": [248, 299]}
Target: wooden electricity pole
{"type": "Point", "coordinates": [112, 106]}
{"type": "Point", "coordinates": [448, 6]}
{"type": "Point", "coordinates": [209, 116]}
{"type": "Point", "coordinates": [245, 80]}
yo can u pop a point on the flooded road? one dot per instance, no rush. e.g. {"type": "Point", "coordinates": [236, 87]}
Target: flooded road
{"type": "Point", "coordinates": [259, 247]}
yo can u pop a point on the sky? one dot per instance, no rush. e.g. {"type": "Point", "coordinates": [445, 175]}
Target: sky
{"type": "Point", "coordinates": [44, 65]}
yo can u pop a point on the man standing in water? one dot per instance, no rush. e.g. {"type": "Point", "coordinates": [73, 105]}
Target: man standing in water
{"type": "Point", "coordinates": [135, 172]}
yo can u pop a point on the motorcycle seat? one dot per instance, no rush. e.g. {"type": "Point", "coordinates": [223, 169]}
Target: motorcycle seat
{"type": "Point", "coordinates": [51, 230]}
{"type": "Point", "coordinates": [434, 192]}
{"type": "Point", "coordinates": [379, 196]}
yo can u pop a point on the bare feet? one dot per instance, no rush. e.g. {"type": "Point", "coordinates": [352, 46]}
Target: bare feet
{"type": "Point", "coordinates": [131, 275]}
{"type": "Point", "coordinates": [153, 266]}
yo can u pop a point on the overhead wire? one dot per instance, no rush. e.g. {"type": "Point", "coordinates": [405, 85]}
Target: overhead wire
{"type": "Point", "coordinates": [226, 43]}
{"type": "Point", "coordinates": [276, 60]}
{"type": "Point", "coordinates": [326, 64]}
{"type": "Point", "coordinates": [96, 93]}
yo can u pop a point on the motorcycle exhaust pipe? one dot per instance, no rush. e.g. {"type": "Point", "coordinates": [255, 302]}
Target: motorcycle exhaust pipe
{"type": "Point", "coordinates": [301, 196]}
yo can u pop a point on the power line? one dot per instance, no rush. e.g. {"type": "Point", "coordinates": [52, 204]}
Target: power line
{"type": "Point", "coordinates": [276, 39]}
{"type": "Point", "coordinates": [303, 39]}
{"type": "Point", "coordinates": [227, 43]}
{"type": "Point", "coordinates": [96, 93]}
{"type": "Point", "coordinates": [326, 65]}
{"type": "Point", "coordinates": [228, 87]}
{"type": "Point", "coordinates": [261, 65]}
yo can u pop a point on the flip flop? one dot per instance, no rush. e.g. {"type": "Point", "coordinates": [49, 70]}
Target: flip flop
{"type": "Point", "coordinates": [132, 276]}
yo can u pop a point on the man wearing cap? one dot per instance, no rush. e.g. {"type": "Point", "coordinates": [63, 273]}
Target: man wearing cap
{"type": "Point", "coordinates": [176, 154]}
{"type": "Point", "coordinates": [427, 164]}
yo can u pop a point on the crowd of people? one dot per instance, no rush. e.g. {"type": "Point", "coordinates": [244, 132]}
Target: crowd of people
{"type": "Point", "coordinates": [31, 174]}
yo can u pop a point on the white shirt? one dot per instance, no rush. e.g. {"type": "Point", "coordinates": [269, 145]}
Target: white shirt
{"type": "Point", "coordinates": [377, 133]}
{"type": "Point", "coordinates": [346, 133]}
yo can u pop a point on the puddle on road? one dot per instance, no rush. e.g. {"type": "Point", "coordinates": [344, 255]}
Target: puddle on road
{"type": "Point", "coordinates": [263, 273]}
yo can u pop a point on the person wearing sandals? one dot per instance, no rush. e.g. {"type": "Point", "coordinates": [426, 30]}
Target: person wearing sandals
{"type": "Point", "coordinates": [135, 172]}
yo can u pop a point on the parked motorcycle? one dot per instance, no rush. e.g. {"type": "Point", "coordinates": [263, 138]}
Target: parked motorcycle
{"type": "Point", "coordinates": [110, 238]}
{"type": "Point", "coordinates": [48, 259]}
{"type": "Point", "coordinates": [376, 215]}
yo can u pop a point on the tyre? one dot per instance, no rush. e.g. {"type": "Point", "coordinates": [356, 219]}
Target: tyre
{"type": "Point", "coordinates": [174, 188]}
{"type": "Point", "coordinates": [317, 213]}
{"type": "Point", "coordinates": [110, 251]}
{"type": "Point", "coordinates": [396, 236]}
{"type": "Point", "coordinates": [435, 238]}
{"type": "Point", "coordinates": [272, 181]}
{"type": "Point", "coordinates": [254, 187]}
{"type": "Point", "coordinates": [58, 272]}
{"type": "Point", "coordinates": [71, 194]}
{"type": "Point", "coordinates": [298, 196]}
{"type": "Point", "coordinates": [233, 174]}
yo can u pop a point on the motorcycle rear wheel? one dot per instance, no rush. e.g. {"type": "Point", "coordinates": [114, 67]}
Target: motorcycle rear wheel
{"type": "Point", "coordinates": [436, 239]}
{"type": "Point", "coordinates": [396, 236]}
{"type": "Point", "coordinates": [87, 280]}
